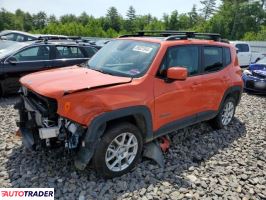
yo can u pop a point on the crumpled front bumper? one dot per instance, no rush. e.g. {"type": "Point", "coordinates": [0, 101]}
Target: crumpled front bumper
{"type": "Point", "coordinates": [254, 84]}
{"type": "Point", "coordinates": [27, 138]}
{"type": "Point", "coordinates": [27, 135]}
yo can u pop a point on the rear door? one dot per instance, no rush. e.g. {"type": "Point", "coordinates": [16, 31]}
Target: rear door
{"type": "Point", "coordinates": [69, 55]}
{"type": "Point", "coordinates": [214, 79]}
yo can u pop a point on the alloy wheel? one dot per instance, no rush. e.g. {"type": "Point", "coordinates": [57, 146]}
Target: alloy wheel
{"type": "Point", "coordinates": [121, 152]}
{"type": "Point", "coordinates": [228, 113]}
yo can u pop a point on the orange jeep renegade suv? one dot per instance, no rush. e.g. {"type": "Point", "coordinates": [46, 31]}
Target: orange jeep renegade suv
{"type": "Point", "coordinates": [135, 89]}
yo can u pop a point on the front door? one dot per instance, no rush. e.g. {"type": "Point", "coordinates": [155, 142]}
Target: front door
{"type": "Point", "coordinates": [177, 102]}
{"type": "Point", "coordinates": [26, 61]}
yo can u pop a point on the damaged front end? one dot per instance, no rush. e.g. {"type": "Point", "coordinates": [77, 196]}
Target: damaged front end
{"type": "Point", "coordinates": [255, 81]}
{"type": "Point", "coordinates": [41, 126]}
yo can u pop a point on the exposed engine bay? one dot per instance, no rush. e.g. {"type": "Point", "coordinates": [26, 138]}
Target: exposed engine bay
{"type": "Point", "coordinates": [42, 127]}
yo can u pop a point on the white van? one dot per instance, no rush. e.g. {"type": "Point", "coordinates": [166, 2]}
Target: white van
{"type": "Point", "coordinates": [245, 55]}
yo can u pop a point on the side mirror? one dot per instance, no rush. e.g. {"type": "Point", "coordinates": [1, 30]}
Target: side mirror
{"type": "Point", "coordinates": [12, 60]}
{"type": "Point", "coordinates": [177, 73]}
{"type": "Point", "coordinates": [237, 50]}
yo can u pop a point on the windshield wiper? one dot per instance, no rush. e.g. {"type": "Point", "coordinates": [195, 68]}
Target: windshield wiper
{"type": "Point", "coordinates": [100, 70]}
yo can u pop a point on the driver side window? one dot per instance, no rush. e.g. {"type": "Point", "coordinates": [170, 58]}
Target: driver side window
{"type": "Point", "coordinates": [181, 56]}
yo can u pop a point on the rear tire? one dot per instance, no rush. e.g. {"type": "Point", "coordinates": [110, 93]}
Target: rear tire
{"type": "Point", "coordinates": [225, 115]}
{"type": "Point", "coordinates": [119, 150]}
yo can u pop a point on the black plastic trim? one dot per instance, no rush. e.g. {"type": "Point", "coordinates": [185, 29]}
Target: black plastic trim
{"type": "Point", "coordinates": [97, 127]}
{"type": "Point", "coordinates": [184, 122]}
{"type": "Point", "coordinates": [230, 90]}
{"type": "Point", "coordinates": [177, 124]}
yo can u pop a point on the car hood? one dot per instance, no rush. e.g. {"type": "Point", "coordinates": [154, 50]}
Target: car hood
{"type": "Point", "coordinates": [261, 73]}
{"type": "Point", "coordinates": [257, 67]}
{"type": "Point", "coordinates": [59, 82]}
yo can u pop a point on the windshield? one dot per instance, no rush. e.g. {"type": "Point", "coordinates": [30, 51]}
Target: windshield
{"type": "Point", "coordinates": [262, 61]}
{"type": "Point", "coordinates": [13, 47]}
{"type": "Point", "coordinates": [124, 58]}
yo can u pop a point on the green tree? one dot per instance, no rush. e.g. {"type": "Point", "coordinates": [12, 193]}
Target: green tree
{"type": "Point", "coordinates": [39, 20]}
{"type": "Point", "coordinates": [233, 19]}
{"type": "Point", "coordinates": [7, 20]}
{"type": "Point", "coordinates": [209, 8]}
{"type": "Point", "coordinates": [130, 23]}
{"type": "Point", "coordinates": [113, 19]}
{"type": "Point", "coordinates": [131, 13]}
{"type": "Point", "coordinates": [193, 16]}
{"type": "Point", "coordinates": [84, 18]}
{"type": "Point", "coordinates": [68, 19]}
{"type": "Point", "coordinates": [52, 19]}
{"type": "Point", "coordinates": [173, 21]}
{"type": "Point", "coordinates": [27, 22]}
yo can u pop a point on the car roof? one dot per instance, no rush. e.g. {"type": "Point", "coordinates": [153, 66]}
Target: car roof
{"type": "Point", "coordinates": [58, 42]}
{"type": "Point", "coordinates": [170, 37]}
{"type": "Point", "coordinates": [19, 32]}
{"type": "Point", "coordinates": [161, 41]}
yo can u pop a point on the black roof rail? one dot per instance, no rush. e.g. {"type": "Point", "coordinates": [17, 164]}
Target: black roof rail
{"type": "Point", "coordinates": [157, 33]}
{"type": "Point", "coordinates": [176, 35]}
{"type": "Point", "coordinates": [210, 36]}
{"type": "Point", "coordinates": [49, 37]}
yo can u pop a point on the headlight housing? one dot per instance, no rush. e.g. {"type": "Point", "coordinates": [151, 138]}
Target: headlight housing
{"type": "Point", "coordinates": [247, 72]}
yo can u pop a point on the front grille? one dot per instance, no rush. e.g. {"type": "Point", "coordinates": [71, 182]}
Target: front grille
{"type": "Point", "coordinates": [47, 106]}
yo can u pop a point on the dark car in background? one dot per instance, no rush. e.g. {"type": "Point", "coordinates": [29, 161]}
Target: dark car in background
{"type": "Point", "coordinates": [22, 58]}
{"type": "Point", "coordinates": [255, 77]}
{"type": "Point", "coordinates": [94, 41]}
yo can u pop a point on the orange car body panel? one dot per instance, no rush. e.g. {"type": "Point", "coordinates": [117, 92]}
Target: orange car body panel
{"type": "Point", "coordinates": [167, 102]}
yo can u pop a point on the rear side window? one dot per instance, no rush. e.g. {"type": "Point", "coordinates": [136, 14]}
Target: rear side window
{"type": "Point", "coordinates": [242, 47]}
{"type": "Point", "coordinates": [68, 52]}
{"type": "Point", "coordinates": [212, 59]}
{"type": "Point", "coordinates": [90, 51]}
{"type": "Point", "coordinates": [227, 55]}
{"type": "Point", "coordinates": [33, 54]}
{"type": "Point", "coordinates": [20, 38]}
{"type": "Point", "coordinates": [181, 56]}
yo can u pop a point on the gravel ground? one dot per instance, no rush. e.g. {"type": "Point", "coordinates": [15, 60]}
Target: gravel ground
{"type": "Point", "coordinates": [201, 164]}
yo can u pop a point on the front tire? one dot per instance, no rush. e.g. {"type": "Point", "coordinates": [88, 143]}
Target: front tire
{"type": "Point", "coordinates": [119, 150]}
{"type": "Point", "coordinates": [225, 115]}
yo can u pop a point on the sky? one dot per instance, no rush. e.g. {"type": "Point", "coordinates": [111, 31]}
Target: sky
{"type": "Point", "coordinates": [98, 8]}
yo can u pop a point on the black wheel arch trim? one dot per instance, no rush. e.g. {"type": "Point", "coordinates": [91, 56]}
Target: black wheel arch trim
{"type": "Point", "coordinates": [97, 127]}
{"type": "Point", "coordinates": [229, 91]}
